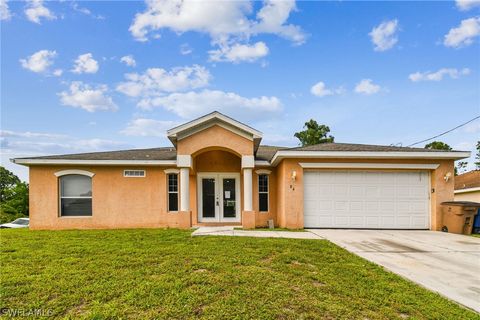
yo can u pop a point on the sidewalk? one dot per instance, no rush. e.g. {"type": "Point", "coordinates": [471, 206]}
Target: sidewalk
{"type": "Point", "coordinates": [230, 231]}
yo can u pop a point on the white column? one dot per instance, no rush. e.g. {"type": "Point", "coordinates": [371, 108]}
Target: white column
{"type": "Point", "coordinates": [184, 189]}
{"type": "Point", "coordinates": [247, 189]}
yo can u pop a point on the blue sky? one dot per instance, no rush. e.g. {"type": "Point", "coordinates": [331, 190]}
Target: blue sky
{"type": "Point", "coordinates": [92, 76]}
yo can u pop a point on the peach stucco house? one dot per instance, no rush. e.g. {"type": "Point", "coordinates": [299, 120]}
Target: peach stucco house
{"type": "Point", "coordinates": [217, 172]}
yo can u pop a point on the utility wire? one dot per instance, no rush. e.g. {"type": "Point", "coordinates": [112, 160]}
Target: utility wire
{"type": "Point", "coordinates": [443, 133]}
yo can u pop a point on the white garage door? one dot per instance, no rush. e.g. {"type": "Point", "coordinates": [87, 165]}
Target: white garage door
{"type": "Point", "coordinates": [367, 199]}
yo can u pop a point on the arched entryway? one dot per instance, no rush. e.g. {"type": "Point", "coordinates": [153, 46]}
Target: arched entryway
{"type": "Point", "coordinates": [218, 186]}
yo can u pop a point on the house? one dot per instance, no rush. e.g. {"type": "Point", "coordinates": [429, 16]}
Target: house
{"type": "Point", "coordinates": [218, 173]}
{"type": "Point", "coordinates": [467, 186]}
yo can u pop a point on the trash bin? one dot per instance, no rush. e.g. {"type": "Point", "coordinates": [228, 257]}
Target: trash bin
{"type": "Point", "coordinates": [457, 216]}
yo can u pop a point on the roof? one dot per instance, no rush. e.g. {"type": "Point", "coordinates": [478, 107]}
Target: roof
{"type": "Point", "coordinates": [264, 153]}
{"type": "Point", "coordinates": [134, 154]}
{"type": "Point", "coordinates": [468, 180]}
{"type": "Point", "coordinates": [360, 147]}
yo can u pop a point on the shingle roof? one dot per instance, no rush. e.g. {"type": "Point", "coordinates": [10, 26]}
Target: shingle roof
{"type": "Point", "coordinates": [263, 153]}
{"type": "Point", "coordinates": [468, 180]}
{"type": "Point", "coordinates": [134, 154]}
{"type": "Point", "coordinates": [359, 147]}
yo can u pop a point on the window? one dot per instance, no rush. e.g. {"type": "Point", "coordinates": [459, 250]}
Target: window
{"type": "Point", "coordinates": [134, 173]}
{"type": "Point", "coordinates": [263, 192]}
{"type": "Point", "coordinates": [75, 195]}
{"type": "Point", "coordinates": [172, 186]}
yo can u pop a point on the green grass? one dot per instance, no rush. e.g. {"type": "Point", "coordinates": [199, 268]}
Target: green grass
{"type": "Point", "coordinates": [167, 274]}
{"type": "Point", "coordinates": [476, 235]}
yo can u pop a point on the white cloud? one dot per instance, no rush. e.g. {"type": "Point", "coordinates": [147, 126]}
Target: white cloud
{"type": "Point", "coordinates": [191, 104]}
{"type": "Point", "coordinates": [143, 127]}
{"type": "Point", "coordinates": [40, 61]}
{"type": "Point", "coordinates": [87, 97]}
{"type": "Point", "coordinates": [366, 86]}
{"type": "Point", "coordinates": [28, 134]}
{"type": "Point", "coordinates": [185, 49]}
{"type": "Point", "coordinates": [26, 144]}
{"type": "Point", "coordinates": [85, 64]}
{"type": "Point", "coordinates": [57, 72]}
{"type": "Point", "coordinates": [85, 11]}
{"type": "Point", "coordinates": [4, 10]}
{"type": "Point", "coordinates": [128, 60]}
{"type": "Point", "coordinates": [35, 11]}
{"type": "Point", "coordinates": [465, 5]}
{"type": "Point", "coordinates": [228, 24]}
{"type": "Point", "coordinates": [463, 35]}
{"type": "Point", "coordinates": [320, 90]}
{"type": "Point", "coordinates": [438, 75]}
{"type": "Point", "coordinates": [220, 20]}
{"type": "Point", "coordinates": [384, 36]}
{"type": "Point", "coordinates": [155, 81]}
{"type": "Point", "coordinates": [239, 52]}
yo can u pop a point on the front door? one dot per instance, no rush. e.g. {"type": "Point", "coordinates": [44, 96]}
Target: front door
{"type": "Point", "coordinates": [218, 197]}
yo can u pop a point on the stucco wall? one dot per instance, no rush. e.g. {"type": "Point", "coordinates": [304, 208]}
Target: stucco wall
{"type": "Point", "coordinates": [117, 202]}
{"type": "Point", "coordinates": [215, 138]}
{"type": "Point", "coordinates": [468, 196]}
{"type": "Point", "coordinates": [120, 202]}
{"type": "Point", "coordinates": [290, 194]}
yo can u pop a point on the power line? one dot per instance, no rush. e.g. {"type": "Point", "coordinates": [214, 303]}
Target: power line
{"type": "Point", "coordinates": [443, 133]}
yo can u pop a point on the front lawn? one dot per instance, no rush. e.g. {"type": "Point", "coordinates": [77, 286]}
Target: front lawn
{"type": "Point", "coordinates": [169, 274]}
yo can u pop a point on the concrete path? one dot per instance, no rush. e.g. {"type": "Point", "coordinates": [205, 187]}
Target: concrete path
{"type": "Point", "coordinates": [230, 231]}
{"type": "Point", "coordinates": [442, 262]}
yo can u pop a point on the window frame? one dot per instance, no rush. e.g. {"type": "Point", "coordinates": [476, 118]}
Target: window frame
{"type": "Point", "coordinates": [267, 176]}
{"type": "Point", "coordinates": [66, 173]}
{"type": "Point", "coordinates": [134, 170]}
{"type": "Point", "coordinates": [168, 174]}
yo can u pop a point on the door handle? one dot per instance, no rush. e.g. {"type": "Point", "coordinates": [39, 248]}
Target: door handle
{"type": "Point", "coordinates": [218, 203]}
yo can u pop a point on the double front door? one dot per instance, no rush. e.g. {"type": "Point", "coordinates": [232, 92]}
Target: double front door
{"type": "Point", "coordinates": [218, 197]}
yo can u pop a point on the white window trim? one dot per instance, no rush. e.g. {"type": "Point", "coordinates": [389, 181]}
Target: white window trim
{"type": "Point", "coordinates": [74, 171]}
{"type": "Point", "coordinates": [268, 191]}
{"type": "Point", "coordinates": [263, 171]}
{"type": "Point", "coordinates": [144, 173]}
{"type": "Point", "coordinates": [168, 192]}
{"type": "Point", "coordinates": [169, 171]}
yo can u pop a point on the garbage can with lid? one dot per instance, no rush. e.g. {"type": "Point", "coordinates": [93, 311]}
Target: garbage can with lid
{"type": "Point", "coordinates": [457, 216]}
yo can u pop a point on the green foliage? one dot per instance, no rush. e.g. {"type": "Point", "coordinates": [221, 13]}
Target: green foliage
{"type": "Point", "coordinates": [13, 196]}
{"type": "Point", "coordinates": [477, 157]}
{"type": "Point", "coordinates": [314, 134]}
{"type": "Point", "coordinates": [438, 145]}
{"type": "Point", "coordinates": [168, 274]}
{"type": "Point", "coordinates": [461, 167]}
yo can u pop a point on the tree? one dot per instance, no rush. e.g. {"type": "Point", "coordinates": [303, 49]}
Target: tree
{"type": "Point", "coordinates": [477, 157]}
{"type": "Point", "coordinates": [314, 134]}
{"type": "Point", "coordinates": [438, 145]}
{"type": "Point", "coordinates": [13, 196]}
{"type": "Point", "coordinates": [461, 167]}
{"type": "Point", "coordinates": [7, 180]}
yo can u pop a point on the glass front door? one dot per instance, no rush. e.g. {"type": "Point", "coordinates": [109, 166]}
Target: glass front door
{"type": "Point", "coordinates": [218, 196]}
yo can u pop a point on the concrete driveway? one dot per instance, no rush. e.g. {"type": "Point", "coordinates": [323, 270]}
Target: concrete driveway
{"type": "Point", "coordinates": [442, 262]}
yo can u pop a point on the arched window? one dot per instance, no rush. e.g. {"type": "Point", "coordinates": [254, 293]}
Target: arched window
{"type": "Point", "coordinates": [75, 195]}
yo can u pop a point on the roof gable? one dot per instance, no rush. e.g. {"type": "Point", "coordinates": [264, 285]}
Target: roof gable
{"type": "Point", "coordinates": [214, 119]}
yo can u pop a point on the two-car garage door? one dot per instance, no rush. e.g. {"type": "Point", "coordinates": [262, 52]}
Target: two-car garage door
{"type": "Point", "coordinates": [366, 199]}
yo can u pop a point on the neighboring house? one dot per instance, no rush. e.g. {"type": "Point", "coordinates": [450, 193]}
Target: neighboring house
{"type": "Point", "coordinates": [467, 186]}
{"type": "Point", "coordinates": [217, 173]}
